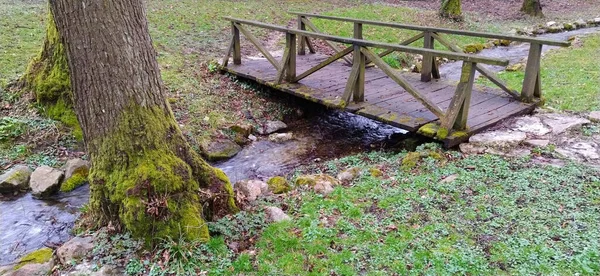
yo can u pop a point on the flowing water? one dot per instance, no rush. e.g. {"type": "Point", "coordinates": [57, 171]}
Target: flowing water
{"type": "Point", "coordinates": [27, 224]}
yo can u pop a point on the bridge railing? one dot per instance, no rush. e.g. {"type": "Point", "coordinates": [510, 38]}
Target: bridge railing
{"type": "Point", "coordinates": [531, 82]}
{"type": "Point", "coordinates": [455, 117]}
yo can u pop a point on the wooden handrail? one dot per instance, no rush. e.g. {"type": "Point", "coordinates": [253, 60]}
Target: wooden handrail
{"type": "Point", "coordinates": [439, 30]}
{"type": "Point", "coordinates": [367, 43]}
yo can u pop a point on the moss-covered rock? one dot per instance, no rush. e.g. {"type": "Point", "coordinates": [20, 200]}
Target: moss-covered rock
{"type": "Point", "coordinates": [39, 256]}
{"type": "Point", "coordinates": [451, 9]}
{"type": "Point", "coordinates": [278, 185]}
{"type": "Point", "coordinates": [473, 48]}
{"type": "Point", "coordinates": [375, 172]}
{"type": "Point", "coordinates": [16, 179]}
{"type": "Point", "coordinates": [76, 174]}
{"type": "Point", "coordinates": [411, 159]}
{"type": "Point", "coordinates": [219, 149]}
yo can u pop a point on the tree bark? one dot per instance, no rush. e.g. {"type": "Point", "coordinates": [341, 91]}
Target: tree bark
{"type": "Point", "coordinates": [532, 7]}
{"type": "Point", "coordinates": [144, 175]}
{"type": "Point", "coordinates": [451, 9]}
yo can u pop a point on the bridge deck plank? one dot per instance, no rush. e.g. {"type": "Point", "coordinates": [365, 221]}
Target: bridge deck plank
{"type": "Point", "coordinates": [385, 100]}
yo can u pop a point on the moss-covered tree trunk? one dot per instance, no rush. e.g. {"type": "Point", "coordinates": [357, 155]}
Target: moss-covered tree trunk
{"type": "Point", "coordinates": [144, 175]}
{"type": "Point", "coordinates": [532, 7]}
{"type": "Point", "coordinates": [48, 73]}
{"type": "Point", "coordinates": [451, 9]}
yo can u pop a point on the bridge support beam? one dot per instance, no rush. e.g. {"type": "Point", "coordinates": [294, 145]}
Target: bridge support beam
{"type": "Point", "coordinates": [237, 53]}
{"type": "Point", "coordinates": [429, 67]}
{"type": "Point", "coordinates": [532, 83]}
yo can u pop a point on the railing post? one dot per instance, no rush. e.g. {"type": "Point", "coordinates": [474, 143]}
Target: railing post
{"type": "Point", "coordinates": [290, 71]}
{"type": "Point", "coordinates": [358, 94]}
{"type": "Point", "coordinates": [302, 43]}
{"type": "Point", "coordinates": [463, 113]}
{"type": "Point", "coordinates": [237, 54]}
{"type": "Point", "coordinates": [428, 65]}
{"type": "Point", "coordinates": [532, 82]}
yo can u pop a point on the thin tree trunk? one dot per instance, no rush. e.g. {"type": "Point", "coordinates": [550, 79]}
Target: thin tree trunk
{"type": "Point", "coordinates": [144, 174]}
{"type": "Point", "coordinates": [451, 9]}
{"type": "Point", "coordinates": [532, 7]}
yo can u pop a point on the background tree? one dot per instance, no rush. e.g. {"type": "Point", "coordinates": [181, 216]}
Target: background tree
{"type": "Point", "coordinates": [451, 9]}
{"type": "Point", "coordinates": [532, 7]}
{"type": "Point", "coordinates": [144, 174]}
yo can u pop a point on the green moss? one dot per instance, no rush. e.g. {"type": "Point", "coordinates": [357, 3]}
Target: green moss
{"type": "Point", "coordinates": [410, 160]}
{"type": "Point", "coordinates": [305, 181]}
{"type": "Point", "coordinates": [63, 112]}
{"type": "Point", "coordinates": [79, 177]}
{"type": "Point", "coordinates": [429, 130]}
{"type": "Point", "coordinates": [442, 133]}
{"type": "Point", "coordinates": [39, 256]}
{"type": "Point", "coordinates": [451, 9]}
{"type": "Point", "coordinates": [146, 177]}
{"type": "Point", "coordinates": [278, 185]}
{"type": "Point", "coordinates": [375, 172]}
{"type": "Point", "coordinates": [459, 134]}
{"type": "Point", "coordinates": [473, 48]}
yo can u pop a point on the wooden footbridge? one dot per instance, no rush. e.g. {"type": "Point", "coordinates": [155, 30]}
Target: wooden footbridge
{"type": "Point", "coordinates": [366, 85]}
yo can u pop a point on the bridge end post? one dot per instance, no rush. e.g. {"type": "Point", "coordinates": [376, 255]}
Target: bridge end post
{"type": "Point", "coordinates": [360, 62]}
{"type": "Point", "coordinates": [290, 70]}
{"type": "Point", "coordinates": [302, 42]}
{"type": "Point", "coordinates": [237, 53]}
{"type": "Point", "coordinates": [428, 65]}
{"type": "Point", "coordinates": [532, 83]}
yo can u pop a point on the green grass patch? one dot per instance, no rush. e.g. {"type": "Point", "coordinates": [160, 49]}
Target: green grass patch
{"type": "Point", "coordinates": [570, 77]}
{"type": "Point", "coordinates": [498, 216]}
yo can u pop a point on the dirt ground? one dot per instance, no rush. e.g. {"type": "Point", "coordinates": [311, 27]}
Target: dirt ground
{"type": "Point", "coordinates": [509, 9]}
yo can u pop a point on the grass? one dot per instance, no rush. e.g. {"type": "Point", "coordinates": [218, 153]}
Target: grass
{"type": "Point", "coordinates": [497, 216]}
{"type": "Point", "coordinates": [570, 76]}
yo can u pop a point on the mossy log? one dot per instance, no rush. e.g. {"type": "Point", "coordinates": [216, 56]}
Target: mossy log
{"type": "Point", "coordinates": [451, 9]}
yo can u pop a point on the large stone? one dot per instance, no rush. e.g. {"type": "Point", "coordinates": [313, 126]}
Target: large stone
{"type": "Point", "coordinates": [271, 127]}
{"type": "Point", "coordinates": [560, 123]}
{"type": "Point", "coordinates": [349, 174]}
{"type": "Point", "coordinates": [278, 185]}
{"type": "Point", "coordinates": [540, 143]}
{"type": "Point", "coordinates": [281, 137]}
{"type": "Point", "coordinates": [468, 148]}
{"type": "Point", "coordinates": [580, 23]}
{"type": "Point", "coordinates": [594, 116]}
{"type": "Point", "coordinates": [76, 165]}
{"type": "Point", "coordinates": [219, 149]}
{"type": "Point", "coordinates": [45, 181]}
{"type": "Point", "coordinates": [499, 138]}
{"type": "Point", "coordinates": [16, 179]}
{"type": "Point", "coordinates": [321, 183]}
{"type": "Point", "coordinates": [586, 150]}
{"type": "Point", "coordinates": [531, 125]}
{"type": "Point", "coordinates": [275, 214]}
{"type": "Point", "coordinates": [89, 269]}
{"type": "Point", "coordinates": [251, 189]}
{"type": "Point", "coordinates": [33, 269]}
{"type": "Point", "coordinates": [75, 249]}
{"type": "Point", "coordinates": [242, 129]}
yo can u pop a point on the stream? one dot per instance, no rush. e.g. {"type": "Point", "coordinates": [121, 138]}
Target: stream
{"type": "Point", "coordinates": [27, 224]}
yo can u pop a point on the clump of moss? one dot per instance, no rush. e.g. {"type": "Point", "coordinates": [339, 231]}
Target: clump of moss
{"type": "Point", "coordinates": [429, 130]}
{"type": "Point", "coordinates": [79, 177]}
{"type": "Point", "coordinates": [39, 256]}
{"type": "Point", "coordinates": [474, 48]}
{"type": "Point", "coordinates": [278, 185]}
{"type": "Point", "coordinates": [411, 159]}
{"type": "Point", "coordinates": [305, 180]}
{"type": "Point", "coordinates": [375, 172]}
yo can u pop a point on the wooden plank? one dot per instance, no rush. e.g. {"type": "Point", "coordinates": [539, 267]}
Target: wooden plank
{"type": "Point", "coordinates": [407, 86]}
{"type": "Point", "coordinates": [460, 121]}
{"type": "Point", "coordinates": [291, 62]}
{"type": "Point", "coordinates": [302, 44]}
{"type": "Point", "coordinates": [484, 71]}
{"type": "Point", "coordinates": [531, 72]}
{"type": "Point", "coordinates": [327, 42]}
{"type": "Point", "coordinates": [311, 48]}
{"type": "Point", "coordinates": [228, 54]}
{"type": "Point", "coordinates": [367, 43]}
{"type": "Point", "coordinates": [428, 59]}
{"type": "Point", "coordinates": [259, 46]}
{"type": "Point", "coordinates": [237, 53]}
{"type": "Point", "coordinates": [440, 30]}
{"type": "Point", "coordinates": [324, 63]}
{"type": "Point", "coordinates": [351, 83]}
